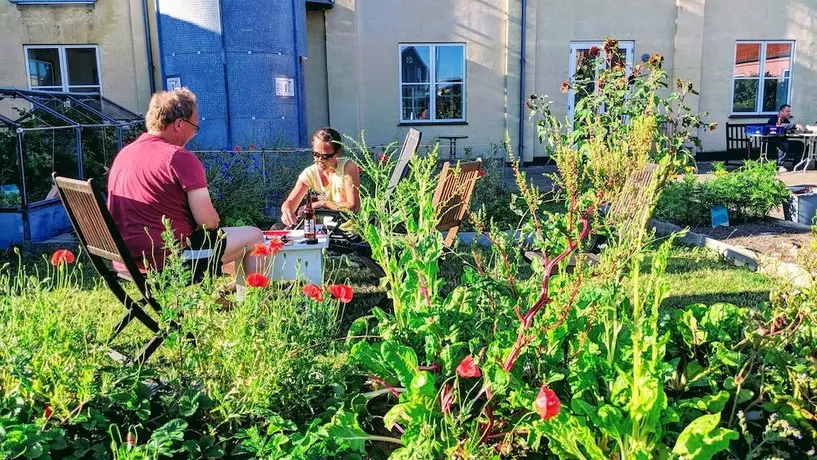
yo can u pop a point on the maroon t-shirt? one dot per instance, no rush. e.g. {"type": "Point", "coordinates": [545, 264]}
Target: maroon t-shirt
{"type": "Point", "coordinates": [150, 179]}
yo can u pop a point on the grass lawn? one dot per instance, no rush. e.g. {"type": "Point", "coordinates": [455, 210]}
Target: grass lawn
{"type": "Point", "coordinates": [700, 276]}
{"type": "Point", "coordinates": [695, 276]}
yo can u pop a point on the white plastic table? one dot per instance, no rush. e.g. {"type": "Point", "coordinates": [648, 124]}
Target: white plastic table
{"type": "Point", "coordinates": [809, 140]}
{"type": "Point", "coordinates": [295, 261]}
{"type": "Point", "coordinates": [809, 145]}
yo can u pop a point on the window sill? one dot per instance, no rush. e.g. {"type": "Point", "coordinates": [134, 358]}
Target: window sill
{"type": "Point", "coordinates": [432, 123]}
{"type": "Point", "coordinates": [745, 116]}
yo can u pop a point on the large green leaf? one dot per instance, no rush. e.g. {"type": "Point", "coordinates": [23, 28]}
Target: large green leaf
{"type": "Point", "coordinates": [703, 438]}
{"type": "Point", "coordinates": [401, 360]}
{"type": "Point", "coordinates": [346, 431]}
{"type": "Point", "coordinates": [368, 356]}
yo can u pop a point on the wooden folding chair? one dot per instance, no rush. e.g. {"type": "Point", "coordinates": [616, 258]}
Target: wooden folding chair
{"type": "Point", "coordinates": [102, 242]}
{"type": "Point", "coordinates": [452, 197]}
{"type": "Point", "coordinates": [622, 212]}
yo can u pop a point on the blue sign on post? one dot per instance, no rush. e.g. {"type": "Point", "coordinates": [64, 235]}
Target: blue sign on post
{"type": "Point", "coordinates": [720, 216]}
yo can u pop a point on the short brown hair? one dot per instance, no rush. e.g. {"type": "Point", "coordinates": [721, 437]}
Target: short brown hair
{"type": "Point", "coordinates": [169, 106]}
{"type": "Point", "coordinates": [329, 135]}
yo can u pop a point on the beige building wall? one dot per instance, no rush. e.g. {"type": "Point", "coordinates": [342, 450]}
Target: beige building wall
{"type": "Point", "coordinates": [696, 37]}
{"type": "Point", "coordinates": [725, 22]}
{"type": "Point", "coordinates": [317, 93]}
{"type": "Point", "coordinates": [117, 27]}
{"type": "Point", "coordinates": [650, 24]}
{"type": "Point", "coordinates": [362, 48]}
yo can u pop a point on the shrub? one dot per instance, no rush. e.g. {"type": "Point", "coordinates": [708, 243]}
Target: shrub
{"type": "Point", "coordinates": [749, 193]}
{"type": "Point", "coordinates": [248, 187]}
{"type": "Point", "coordinates": [681, 202]}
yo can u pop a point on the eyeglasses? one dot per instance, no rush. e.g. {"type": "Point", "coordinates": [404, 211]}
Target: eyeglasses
{"type": "Point", "coordinates": [195, 126]}
{"type": "Point", "coordinates": [324, 156]}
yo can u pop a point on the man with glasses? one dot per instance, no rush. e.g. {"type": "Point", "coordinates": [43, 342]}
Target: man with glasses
{"type": "Point", "coordinates": [336, 180]}
{"type": "Point", "coordinates": [781, 144]}
{"type": "Point", "coordinates": [155, 177]}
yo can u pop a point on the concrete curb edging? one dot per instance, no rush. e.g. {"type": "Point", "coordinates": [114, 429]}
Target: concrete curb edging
{"type": "Point", "coordinates": [740, 256]}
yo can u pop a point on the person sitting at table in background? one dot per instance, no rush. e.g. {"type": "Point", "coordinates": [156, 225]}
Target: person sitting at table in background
{"type": "Point", "coordinates": [156, 177]}
{"type": "Point", "coordinates": [335, 179]}
{"type": "Point", "coordinates": [782, 119]}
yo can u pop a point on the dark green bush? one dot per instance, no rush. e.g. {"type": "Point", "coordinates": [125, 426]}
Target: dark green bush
{"type": "Point", "coordinates": [749, 193]}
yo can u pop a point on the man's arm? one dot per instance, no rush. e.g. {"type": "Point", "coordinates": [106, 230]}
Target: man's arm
{"type": "Point", "coordinates": [204, 213]}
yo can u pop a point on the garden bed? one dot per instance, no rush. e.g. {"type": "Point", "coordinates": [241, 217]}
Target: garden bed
{"type": "Point", "coordinates": [771, 237]}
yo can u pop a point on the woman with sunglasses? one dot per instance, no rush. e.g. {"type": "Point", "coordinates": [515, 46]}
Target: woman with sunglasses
{"type": "Point", "coordinates": [336, 180]}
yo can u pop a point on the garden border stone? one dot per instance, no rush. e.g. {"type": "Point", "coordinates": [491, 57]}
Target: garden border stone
{"type": "Point", "coordinates": [741, 256]}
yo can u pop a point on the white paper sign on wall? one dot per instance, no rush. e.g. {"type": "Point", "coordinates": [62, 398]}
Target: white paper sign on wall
{"type": "Point", "coordinates": [285, 87]}
{"type": "Point", "coordinates": [174, 83]}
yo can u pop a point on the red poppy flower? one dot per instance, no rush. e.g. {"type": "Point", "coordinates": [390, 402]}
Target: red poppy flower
{"type": "Point", "coordinates": [382, 157]}
{"type": "Point", "coordinates": [275, 245]}
{"type": "Point", "coordinates": [130, 439]}
{"type": "Point", "coordinates": [547, 403]}
{"type": "Point", "coordinates": [446, 398]}
{"type": "Point", "coordinates": [481, 173]}
{"type": "Point", "coordinates": [237, 148]}
{"type": "Point", "coordinates": [313, 292]}
{"type": "Point", "coordinates": [341, 292]}
{"type": "Point", "coordinates": [62, 256]}
{"type": "Point", "coordinates": [47, 412]}
{"type": "Point", "coordinates": [257, 280]}
{"type": "Point", "coordinates": [260, 250]}
{"type": "Point", "coordinates": [468, 368]}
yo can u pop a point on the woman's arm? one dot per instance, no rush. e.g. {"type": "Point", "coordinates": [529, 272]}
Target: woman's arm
{"type": "Point", "coordinates": [292, 202]}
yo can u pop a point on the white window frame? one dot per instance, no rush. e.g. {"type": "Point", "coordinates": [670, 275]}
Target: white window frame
{"type": "Point", "coordinates": [432, 82]}
{"type": "Point", "coordinates": [628, 46]}
{"type": "Point", "coordinates": [65, 87]}
{"type": "Point", "coordinates": [761, 75]}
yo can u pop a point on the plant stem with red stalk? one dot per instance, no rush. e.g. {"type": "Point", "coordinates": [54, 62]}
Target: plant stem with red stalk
{"type": "Point", "coordinates": [544, 296]}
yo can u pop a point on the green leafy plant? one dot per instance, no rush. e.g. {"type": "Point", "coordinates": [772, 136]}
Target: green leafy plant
{"type": "Point", "coordinates": [749, 193]}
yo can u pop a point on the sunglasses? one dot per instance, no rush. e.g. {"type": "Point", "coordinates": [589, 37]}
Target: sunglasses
{"type": "Point", "coordinates": [195, 126]}
{"type": "Point", "coordinates": [324, 156]}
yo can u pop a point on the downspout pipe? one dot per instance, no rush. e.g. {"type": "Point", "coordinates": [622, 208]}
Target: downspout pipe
{"type": "Point", "coordinates": [522, 95]}
{"type": "Point", "coordinates": [149, 47]}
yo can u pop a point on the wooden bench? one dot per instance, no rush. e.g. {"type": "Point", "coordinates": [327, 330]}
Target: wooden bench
{"type": "Point", "coordinates": [738, 144]}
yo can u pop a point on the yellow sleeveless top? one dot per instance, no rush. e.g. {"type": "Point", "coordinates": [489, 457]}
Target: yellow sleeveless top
{"type": "Point", "coordinates": [334, 191]}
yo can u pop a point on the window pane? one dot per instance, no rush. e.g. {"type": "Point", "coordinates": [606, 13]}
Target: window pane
{"type": "Point", "coordinates": [414, 64]}
{"type": "Point", "coordinates": [745, 95]}
{"type": "Point", "coordinates": [44, 66]}
{"type": "Point", "coordinates": [778, 59]}
{"type": "Point", "coordinates": [775, 93]}
{"type": "Point", "coordinates": [449, 64]}
{"type": "Point", "coordinates": [416, 101]}
{"type": "Point", "coordinates": [449, 102]}
{"type": "Point", "coordinates": [82, 66]}
{"type": "Point", "coordinates": [747, 60]}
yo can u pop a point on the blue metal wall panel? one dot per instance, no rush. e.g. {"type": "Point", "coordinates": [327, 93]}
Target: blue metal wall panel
{"type": "Point", "coordinates": [47, 221]}
{"type": "Point", "coordinates": [189, 26]}
{"type": "Point", "coordinates": [229, 52]}
{"type": "Point", "coordinates": [11, 229]}
{"type": "Point", "coordinates": [250, 25]}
